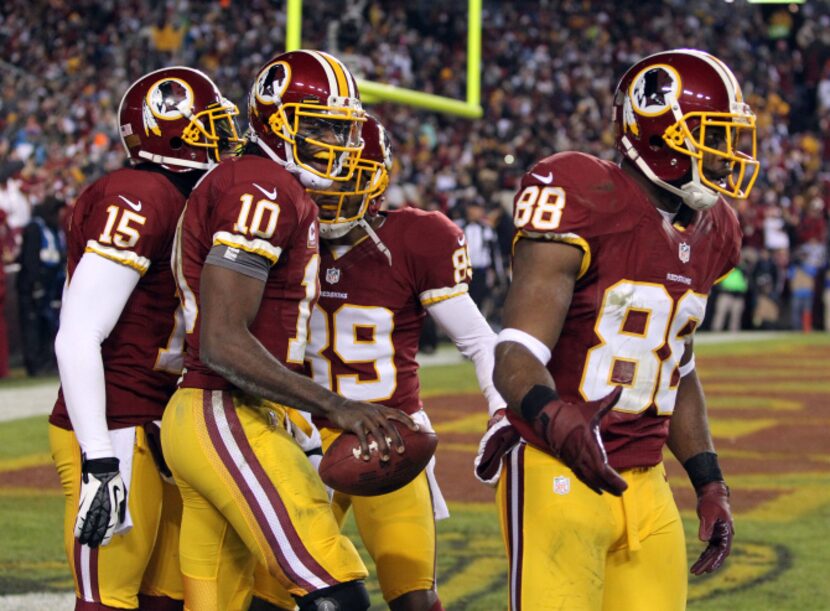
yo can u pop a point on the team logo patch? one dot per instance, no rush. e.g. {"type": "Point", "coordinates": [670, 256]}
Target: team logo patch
{"type": "Point", "coordinates": [169, 99]}
{"type": "Point", "coordinates": [684, 252]}
{"type": "Point", "coordinates": [332, 275]}
{"type": "Point", "coordinates": [272, 82]}
{"type": "Point", "coordinates": [650, 89]}
{"type": "Point", "coordinates": [561, 485]}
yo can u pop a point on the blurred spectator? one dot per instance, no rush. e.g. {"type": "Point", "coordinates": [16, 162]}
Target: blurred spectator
{"type": "Point", "coordinates": [40, 284]}
{"type": "Point", "coordinates": [13, 202]}
{"type": "Point", "coordinates": [731, 300]}
{"type": "Point", "coordinates": [827, 299]}
{"type": "Point", "coordinates": [166, 38]}
{"type": "Point", "coordinates": [765, 292]}
{"type": "Point", "coordinates": [6, 256]}
{"type": "Point", "coordinates": [802, 277]}
{"type": "Point", "coordinates": [548, 70]}
{"type": "Point", "coordinates": [485, 256]}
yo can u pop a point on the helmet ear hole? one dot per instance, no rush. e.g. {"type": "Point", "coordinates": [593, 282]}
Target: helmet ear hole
{"type": "Point", "coordinates": [176, 143]}
{"type": "Point", "coordinates": [656, 142]}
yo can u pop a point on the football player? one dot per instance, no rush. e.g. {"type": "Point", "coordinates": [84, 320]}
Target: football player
{"type": "Point", "coordinates": [120, 344]}
{"type": "Point", "coordinates": [363, 342]}
{"type": "Point", "coordinates": [246, 262]}
{"type": "Point", "coordinates": [611, 271]}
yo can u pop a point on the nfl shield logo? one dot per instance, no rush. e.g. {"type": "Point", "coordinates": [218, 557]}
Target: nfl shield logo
{"type": "Point", "coordinates": [332, 275]}
{"type": "Point", "coordinates": [684, 251]}
{"type": "Point", "coordinates": [561, 485]}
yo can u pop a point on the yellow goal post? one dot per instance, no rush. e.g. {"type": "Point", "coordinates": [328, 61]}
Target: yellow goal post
{"type": "Point", "coordinates": [373, 93]}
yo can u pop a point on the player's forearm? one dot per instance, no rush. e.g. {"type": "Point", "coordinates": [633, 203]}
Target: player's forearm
{"type": "Point", "coordinates": [461, 320]}
{"type": "Point", "coordinates": [84, 391]}
{"type": "Point", "coordinates": [517, 370]}
{"type": "Point", "coordinates": [689, 429]}
{"type": "Point", "coordinates": [92, 306]}
{"type": "Point", "coordinates": [246, 364]}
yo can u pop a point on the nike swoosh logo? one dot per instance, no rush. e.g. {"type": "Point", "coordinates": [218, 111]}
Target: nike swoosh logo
{"type": "Point", "coordinates": [272, 195]}
{"type": "Point", "coordinates": [461, 240]}
{"type": "Point", "coordinates": [134, 206]}
{"type": "Point", "coordinates": [544, 179]}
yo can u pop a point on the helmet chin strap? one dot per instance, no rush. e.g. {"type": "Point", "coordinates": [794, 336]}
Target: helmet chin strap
{"type": "Point", "coordinates": [693, 193]}
{"type": "Point", "coordinates": [374, 237]}
{"type": "Point", "coordinates": [332, 231]}
{"type": "Point", "coordinates": [184, 163]}
{"type": "Point", "coordinates": [307, 179]}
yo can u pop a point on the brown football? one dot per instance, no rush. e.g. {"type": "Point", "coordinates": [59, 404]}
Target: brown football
{"type": "Point", "coordinates": [343, 469]}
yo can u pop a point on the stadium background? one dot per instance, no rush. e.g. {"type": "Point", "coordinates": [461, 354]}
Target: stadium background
{"type": "Point", "coordinates": [548, 70]}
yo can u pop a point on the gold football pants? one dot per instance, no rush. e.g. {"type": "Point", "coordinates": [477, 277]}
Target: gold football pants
{"type": "Point", "coordinates": [570, 548]}
{"type": "Point", "coordinates": [146, 558]}
{"type": "Point", "coordinates": [398, 530]}
{"type": "Point", "coordinates": [250, 495]}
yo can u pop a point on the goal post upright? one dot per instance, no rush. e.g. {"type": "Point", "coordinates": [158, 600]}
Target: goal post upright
{"type": "Point", "coordinates": [372, 92]}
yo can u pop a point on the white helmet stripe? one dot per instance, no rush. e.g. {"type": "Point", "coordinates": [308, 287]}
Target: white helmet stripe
{"type": "Point", "coordinates": [352, 87]}
{"type": "Point", "coordinates": [333, 89]}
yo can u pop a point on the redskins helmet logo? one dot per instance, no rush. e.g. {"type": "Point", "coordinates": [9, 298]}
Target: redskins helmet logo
{"type": "Point", "coordinates": [653, 89]}
{"type": "Point", "coordinates": [272, 82]}
{"type": "Point", "coordinates": [169, 99]}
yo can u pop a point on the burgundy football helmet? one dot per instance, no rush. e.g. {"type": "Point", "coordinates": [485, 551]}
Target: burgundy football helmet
{"type": "Point", "coordinates": [305, 114]}
{"type": "Point", "coordinates": [344, 204]}
{"type": "Point", "coordinates": [670, 109]}
{"type": "Point", "coordinates": [176, 117]}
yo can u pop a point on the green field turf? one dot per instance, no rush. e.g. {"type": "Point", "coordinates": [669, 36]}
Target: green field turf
{"type": "Point", "coordinates": [781, 549]}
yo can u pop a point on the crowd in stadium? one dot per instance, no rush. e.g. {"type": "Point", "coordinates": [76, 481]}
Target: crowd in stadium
{"type": "Point", "coordinates": [548, 70]}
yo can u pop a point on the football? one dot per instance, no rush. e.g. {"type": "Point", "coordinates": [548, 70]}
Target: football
{"type": "Point", "coordinates": [343, 469]}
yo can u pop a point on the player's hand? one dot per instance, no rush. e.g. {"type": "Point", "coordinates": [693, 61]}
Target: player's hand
{"type": "Point", "coordinates": [496, 442]}
{"type": "Point", "coordinates": [364, 419]}
{"type": "Point", "coordinates": [103, 501]}
{"type": "Point", "coordinates": [571, 431]}
{"type": "Point", "coordinates": [716, 526]}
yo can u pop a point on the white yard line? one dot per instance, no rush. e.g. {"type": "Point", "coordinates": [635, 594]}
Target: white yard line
{"type": "Point", "coordinates": [22, 402]}
{"type": "Point", "coordinates": [65, 601]}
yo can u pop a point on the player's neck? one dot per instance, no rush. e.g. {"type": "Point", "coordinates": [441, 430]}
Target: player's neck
{"type": "Point", "coordinates": [659, 198]}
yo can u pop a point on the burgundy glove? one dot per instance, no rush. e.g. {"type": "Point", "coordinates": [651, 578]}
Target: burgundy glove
{"type": "Point", "coordinates": [715, 526]}
{"type": "Point", "coordinates": [570, 431]}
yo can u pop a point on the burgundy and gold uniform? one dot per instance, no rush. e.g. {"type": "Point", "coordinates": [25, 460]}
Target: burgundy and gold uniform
{"type": "Point", "coordinates": [366, 325]}
{"type": "Point", "coordinates": [364, 333]}
{"type": "Point", "coordinates": [249, 492]}
{"type": "Point", "coordinates": [641, 292]}
{"type": "Point", "coordinates": [364, 339]}
{"type": "Point", "coordinates": [128, 217]}
{"type": "Point", "coordinates": [250, 206]}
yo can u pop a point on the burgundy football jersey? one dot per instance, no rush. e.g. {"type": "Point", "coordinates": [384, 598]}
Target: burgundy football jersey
{"type": "Point", "coordinates": [366, 326]}
{"type": "Point", "coordinates": [251, 206]}
{"type": "Point", "coordinates": [130, 216]}
{"type": "Point", "coordinates": [640, 295]}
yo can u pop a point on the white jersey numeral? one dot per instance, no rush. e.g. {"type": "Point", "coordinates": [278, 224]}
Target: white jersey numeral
{"type": "Point", "coordinates": [357, 335]}
{"type": "Point", "coordinates": [297, 344]}
{"type": "Point", "coordinates": [646, 354]}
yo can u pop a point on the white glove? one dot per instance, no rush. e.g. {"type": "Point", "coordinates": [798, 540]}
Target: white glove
{"type": "Point", "coordinates": [103, 502]}
{"type": "Point", "coordinates": [496, 442]}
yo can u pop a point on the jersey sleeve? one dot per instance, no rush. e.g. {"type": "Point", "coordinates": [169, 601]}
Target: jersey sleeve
{"type": "Point", "coordinates": [130, 227]}
{"type": "Point", "coordinates": [440, 260]}
{"type": "Point", "coordinates": [733, 238]}
{"type": "Point", "coordinates": [565, 198]}
{"type": "Point", "coordinates": [254, 217]}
